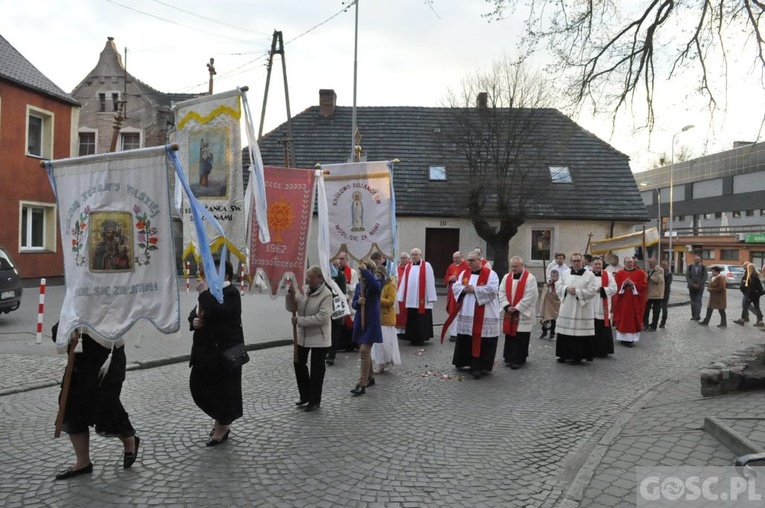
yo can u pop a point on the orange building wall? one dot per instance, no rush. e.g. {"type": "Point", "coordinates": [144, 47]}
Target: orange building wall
{"type": "Point", "coordinates": [22, 178]}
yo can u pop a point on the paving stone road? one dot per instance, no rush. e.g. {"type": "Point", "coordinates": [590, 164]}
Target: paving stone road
{"type": "Point", "coordinates": [515, 438]}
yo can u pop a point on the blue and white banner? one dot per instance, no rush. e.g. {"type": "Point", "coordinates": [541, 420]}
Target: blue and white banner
{"type": "Point", "coordinates": [357, 209]}
{"type": "Point", "coordinates": [116, 230]}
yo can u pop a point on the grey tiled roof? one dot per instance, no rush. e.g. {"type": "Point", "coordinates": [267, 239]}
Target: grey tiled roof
{"type": "Point", "coordinates": [17, 69]}
{"type": "Point", "coordinates": [603, 186]}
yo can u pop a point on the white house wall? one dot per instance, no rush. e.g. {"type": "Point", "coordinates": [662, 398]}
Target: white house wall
{"type": "Point", "coordinates": [568, 236]}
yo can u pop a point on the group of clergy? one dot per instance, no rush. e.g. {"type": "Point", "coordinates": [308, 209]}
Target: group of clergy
{"type": "Point", "coordinates": [589, 297]}
{"type": "Point", "coordinates": [597, 304]}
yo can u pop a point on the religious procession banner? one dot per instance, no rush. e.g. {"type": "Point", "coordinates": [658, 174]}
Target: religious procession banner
{"type": "Point", "coordinates": [626, 241]}
{"type": "Point", "coordinates": [116, 229]}
{"type": "Point", "coordinates": [208, 132]}
{"type": "Point", "coordinates": [290, 195]}
{"type": "Point", "coordinates": [357, 209]}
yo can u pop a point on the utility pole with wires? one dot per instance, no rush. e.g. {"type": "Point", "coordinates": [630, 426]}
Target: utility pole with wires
{"type": "Point", "coordinates": [277, 48]}
{"type": "Point", "coordinates": [211, 70]}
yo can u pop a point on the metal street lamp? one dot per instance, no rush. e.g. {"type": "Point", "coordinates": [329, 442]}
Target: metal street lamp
{"type": "Point", "coordinates": [672, 197]}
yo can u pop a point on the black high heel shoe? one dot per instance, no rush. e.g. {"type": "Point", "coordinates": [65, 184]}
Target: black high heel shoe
{"type": "Point", "coordinates": [216, 442]}
{"type": "Point", "coordinates": [130, 458]}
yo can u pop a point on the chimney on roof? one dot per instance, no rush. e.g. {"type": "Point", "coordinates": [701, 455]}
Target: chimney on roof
{"type": "Point", "coordinates": [327, 100]}
{"type": "Point", "coordinates": [482, 102]}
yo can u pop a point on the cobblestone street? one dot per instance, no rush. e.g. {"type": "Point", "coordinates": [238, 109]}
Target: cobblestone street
{"type": "Point", "coordinates": [423, 436]}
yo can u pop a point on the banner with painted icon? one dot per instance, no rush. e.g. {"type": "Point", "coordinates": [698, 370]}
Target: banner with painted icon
{"type": "Point", "coordinates": [116, 230]}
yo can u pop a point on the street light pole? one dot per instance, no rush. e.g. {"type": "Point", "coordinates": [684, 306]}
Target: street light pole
{"type": "Point", "coordinates": [672, 196]}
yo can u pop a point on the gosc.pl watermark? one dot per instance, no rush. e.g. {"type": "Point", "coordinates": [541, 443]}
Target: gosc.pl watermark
{"type": "Point", "coordinates": [700, 486]}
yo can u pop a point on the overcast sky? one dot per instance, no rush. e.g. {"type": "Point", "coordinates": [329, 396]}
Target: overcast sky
{"type": "Point", "coordinates": [410, 54]}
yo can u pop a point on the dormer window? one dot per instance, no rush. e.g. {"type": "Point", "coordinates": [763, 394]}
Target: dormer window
{"type": "Point", "coordinates": [437, 173]}
{"type": "Point", "coordinates": [560, 174]}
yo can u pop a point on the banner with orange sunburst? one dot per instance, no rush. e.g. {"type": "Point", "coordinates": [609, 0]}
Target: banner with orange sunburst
{"type": "Point", "coordinates": [290, 195]}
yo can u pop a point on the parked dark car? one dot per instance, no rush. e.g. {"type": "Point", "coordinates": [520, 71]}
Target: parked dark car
{"type": "Point", "coordinates": [10, 285]}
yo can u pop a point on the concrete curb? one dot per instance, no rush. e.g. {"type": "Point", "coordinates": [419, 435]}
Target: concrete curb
{"type": "Point", "coordinates": [735, 442]}
{"type": "Point", "coordinates": [575, 492]}
{"type": "Point", "coordinates": [149, 364]}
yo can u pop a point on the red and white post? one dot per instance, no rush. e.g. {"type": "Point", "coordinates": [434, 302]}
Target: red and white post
{"type": "Point", "coordinates": [40, 312]}
{"type": "Point", "coordinates": [241, 279]}
{"type": "Point", "coordinates": [188, 274]}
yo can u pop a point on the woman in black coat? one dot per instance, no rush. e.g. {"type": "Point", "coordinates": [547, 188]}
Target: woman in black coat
{"type": "Point", "coordinates": [751, 287]}
{"type": "Point", "coordinates": [94, 401]}
{"type": "Point", "coordinates": [215, 388]}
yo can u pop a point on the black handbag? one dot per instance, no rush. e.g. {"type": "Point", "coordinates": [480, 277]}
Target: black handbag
{"type": "Point", "coordinates": [235, 356]}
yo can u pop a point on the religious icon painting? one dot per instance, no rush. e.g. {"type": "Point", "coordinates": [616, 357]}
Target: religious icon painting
{"type": "Point", "coordinates": [540, 244]}
{"type": "Point", "coordinates": [209, 161]}
{"type": "Point", "coordinates": [111, 242]}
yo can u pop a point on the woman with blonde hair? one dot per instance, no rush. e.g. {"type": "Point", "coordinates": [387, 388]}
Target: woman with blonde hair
{"type": "Point", "coordinates": [386, 354]}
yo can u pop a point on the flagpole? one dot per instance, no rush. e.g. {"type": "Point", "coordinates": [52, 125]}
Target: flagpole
{"type": "Point", "coordinates": [355, 72]}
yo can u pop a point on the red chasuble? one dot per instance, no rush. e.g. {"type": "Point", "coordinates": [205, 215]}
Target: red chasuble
{"type": "Point", "coordinates": [628, 308]}
{"type": "Point", "coordinates": [455, 270]}
{"type": "Point", "coordinates": [511, 319]}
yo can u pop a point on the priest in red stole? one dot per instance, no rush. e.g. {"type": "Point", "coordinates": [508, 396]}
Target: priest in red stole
{"type": "Point", "coordinates": [604, 337]}
{"type": "Point", "coordinates": [518, 295]}
{"type": "Point", "coordinates": [476, 291]}
{"type": "Point", "coordinates": [418, 292]}
{"type": "Point", "coordinates": [629, 302]}
{"type": "Point", "coordinates": [458, 266]}
{"type": "Point", "coordinates": [404, 260]}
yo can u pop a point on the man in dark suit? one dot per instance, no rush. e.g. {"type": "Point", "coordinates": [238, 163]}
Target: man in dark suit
{"type": "Point", "coordinates": [696, 277]}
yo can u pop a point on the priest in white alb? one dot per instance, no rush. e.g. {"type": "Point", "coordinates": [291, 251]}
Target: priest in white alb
{"type": "Point", "coordinates": [518, 295]}
{"type": "Point", "coordinates": [418, 292]}
{"type": "Point", "coordinates": [477, 293]}
{"type": "Point", "coordinates": [577, 290]}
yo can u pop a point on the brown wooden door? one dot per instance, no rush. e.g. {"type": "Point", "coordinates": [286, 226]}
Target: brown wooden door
{"type": "Point", "coordinates": [440, 244]}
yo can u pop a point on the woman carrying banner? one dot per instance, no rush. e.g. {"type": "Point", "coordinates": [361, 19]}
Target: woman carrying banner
{"type": "Point", "coordinates": [94, 400]}
{"type": "Point", "coordinates": [366, 323]}
{"type": "Point", "coordinates": [215, 387]}
{"type": "Point", "coordinates": [312, 315]}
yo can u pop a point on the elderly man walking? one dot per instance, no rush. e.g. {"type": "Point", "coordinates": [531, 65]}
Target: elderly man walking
{"type": "Point", "coordinates": [476, 292]}
{"type": "Point", "coordinates": [654, 295]}
{"type": "Point", "coordinates": [696, 278]}
{"type": "Point", "coordinates": [629, 302]}
{"type": "Point", "coordinates": [576, 289]}
{"type": "Point", "coordinates": [458, 266]}
{"type": "Point", "coordinates": [518, 295]}
{"type": "Point", "coordinates": [418, 292]}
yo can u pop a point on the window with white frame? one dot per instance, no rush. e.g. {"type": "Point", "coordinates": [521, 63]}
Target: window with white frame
{"type": "Point", "coordinates": [437, 173]}
{"type": "Point", "coordinates": [87, 143]}
{"type": "Point", "coordinates": [130, 140]}
{"type": "Point", "coordinates": [560, 174]}
{"type": "Point", "coordinates": [39, 132]}
{"type": "Point", "coordinates": [37, 230]}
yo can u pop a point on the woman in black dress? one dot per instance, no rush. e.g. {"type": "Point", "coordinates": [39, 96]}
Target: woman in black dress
{"type": "Point", "coordinates": [216, 389]}
{"type": "Point", "coordinates": [95, 401]}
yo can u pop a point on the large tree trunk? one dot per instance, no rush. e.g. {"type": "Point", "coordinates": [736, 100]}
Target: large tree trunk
{"type": "Point", "coordinates": [497, 239]}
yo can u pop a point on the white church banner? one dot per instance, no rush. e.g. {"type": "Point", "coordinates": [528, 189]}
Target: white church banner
{"type": "Point", "coordinates": [116, 230]}
{"type": "Point", "coordinates": [360, 209]}
{"type": "Point", "coordinates": [209, 135]}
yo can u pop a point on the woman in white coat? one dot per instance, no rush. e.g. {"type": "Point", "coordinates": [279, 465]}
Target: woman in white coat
{"type": "Point", "coordinates": [314, 335]}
